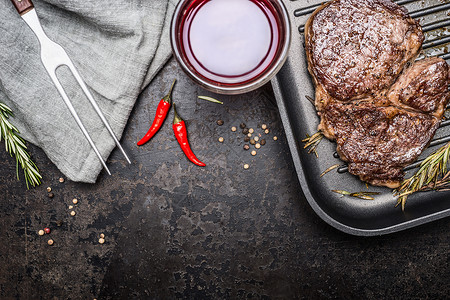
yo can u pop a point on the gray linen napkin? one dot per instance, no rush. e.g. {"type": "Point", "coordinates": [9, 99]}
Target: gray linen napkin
{"type": "Point", "coordinates": [117, 46]}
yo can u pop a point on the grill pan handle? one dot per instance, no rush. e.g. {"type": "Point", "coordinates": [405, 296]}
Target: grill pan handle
{"type": "Point", "coordinates": [23, 6]}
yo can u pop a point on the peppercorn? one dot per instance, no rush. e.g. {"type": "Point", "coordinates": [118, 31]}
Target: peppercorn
{"type": "Point", "coordinates": [253, 152]}
{"type": "Point", "coordinates": [220, 122]}
{"type": "Point", "coordinates": [252, 141]}
{"type": "Point", "coordinates": [49, 189]}
{"type": "Point", "coordinates": [75, 201]}
{"type": "Point", "coordinates": [263, 142]}
{"type": "Point", "coordinates": [51, 195]}
{"type": "Point", "coordinates": [242, 125]}
{"type": "Point", "coordinates": [47, 230]}
{"type": "Point", "coordinates": [41, 232]}
{"type": "Point", "coordinates": [246, 139]}
{"type": "Point", "coordinates": [245, 131]}
{"type": "Point", "coordinates": [246, 147]}
{"type": "Point", "coordinates": [233, 128]}
{"type": "Point", "coordinates": [257, 146]}
{"type": "Point", "coordinates": [221, 139]}
{"type": "Point", "coordinates": [50, 242]}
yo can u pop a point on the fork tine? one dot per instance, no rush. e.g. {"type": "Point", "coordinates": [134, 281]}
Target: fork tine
{"type": "Point", "coordinates": [75, 115]}
{"type": "Point", "coordinates": [96, 107]}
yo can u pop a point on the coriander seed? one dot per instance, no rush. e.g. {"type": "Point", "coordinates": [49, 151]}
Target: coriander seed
{"type": "Point", "coordinates": [233, 128]}
{"type": "Point", "coordinates": [266, 131]}
{"type": "Point", "coordinates": [49, 189]}
{"type": "Point", "coordinates": [70, 206]}
{"type": "Point", "coordinates": [102, 235]}
{"type": "Point", "coordinates": [221, 139]}
{"type": "Point", "coordinates": [264, 126]}
{"type": "Point", "coordinates": [246, 166]}
{"type": "Point", "coordinates": [61, 180]}
{"type": "Point", "coordinates": [101, 240]}
{"type": "Point", "coordinates": [75, 201]}
{"type": "Point", "coordinates": [251, 130]}
{"type": "Point", "coordinates": [50, 242]}
{"type": "Point", "coordinates": [256, 138]}
{"type": "Point", "coordinates": [275, 138]}
{"type": "Point", "coordinates": [220, 122]}
{"type": "Point", "coordinates": [249, 135]}
{"type": "Point", "coordinates": [242, 125]}
{"type": "Point", "coordinates": [257, 146]}
{"type": "Point", "coordinates": [246, 147]}
{"type": "Point", "coordinates": [73, 213]}
{"type": "Point", "coordinates": [41, 232]}
{"type": "Point", "coordinates": [253, 152]}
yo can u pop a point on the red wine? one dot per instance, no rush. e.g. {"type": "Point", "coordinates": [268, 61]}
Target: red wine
{"type": "Point", "coordinates": [230, 42]}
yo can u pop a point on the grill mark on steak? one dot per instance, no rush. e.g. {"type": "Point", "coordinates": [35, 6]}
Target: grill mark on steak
{"type": "Point", "coordinates": [383, 124]}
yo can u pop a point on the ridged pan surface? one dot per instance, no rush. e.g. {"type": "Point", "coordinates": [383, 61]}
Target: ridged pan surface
{"type": "Point", "coordinates": [354, 216]}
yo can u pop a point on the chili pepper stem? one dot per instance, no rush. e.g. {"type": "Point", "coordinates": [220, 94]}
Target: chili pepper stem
{"type": "Point", "coordinates": [168, 98]}
{"type": "Point", "coordinates": [176, 118]}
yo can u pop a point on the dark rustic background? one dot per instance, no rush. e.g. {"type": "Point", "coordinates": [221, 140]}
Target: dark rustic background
{"type": "Point", "coordinates": [174, 230]}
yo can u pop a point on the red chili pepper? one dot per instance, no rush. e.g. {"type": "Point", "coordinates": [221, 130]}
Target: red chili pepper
{"type": "Point", "coordinates": [161, 113]}
{"type": "Point", "coordinates": [179, 128]}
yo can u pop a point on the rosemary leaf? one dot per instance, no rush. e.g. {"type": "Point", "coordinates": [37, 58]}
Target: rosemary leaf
{"type": "Point", "coordinates": [342, 192]}
{"type": "Point", "coordinates": [310, 99]}
{"type": "Point", "coordinates": [210, 99]}
{"type": "Point", "coordinates": [330, 169]}
{"type": "Point", "coordinates": [364, 197]}
{"type": "Point", "coordinates": [16, 146]}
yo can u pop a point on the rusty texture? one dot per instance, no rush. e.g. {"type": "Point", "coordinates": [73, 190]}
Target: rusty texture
{"type": "Point", "coordinates": [174, 230]}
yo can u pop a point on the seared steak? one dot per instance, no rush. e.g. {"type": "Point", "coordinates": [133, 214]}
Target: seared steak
{"type": "Point", "coordinates": [381, 114]}
{"type": "Point", "coordinates": [356, 48]}
{"type": "Point", "coordinates": [378, 141]}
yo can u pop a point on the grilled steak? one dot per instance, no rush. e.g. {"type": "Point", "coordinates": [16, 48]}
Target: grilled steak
{"type": "Point", "coordinates": [356, 48]}
{"type": "Point", "coordinates": [381, 113]}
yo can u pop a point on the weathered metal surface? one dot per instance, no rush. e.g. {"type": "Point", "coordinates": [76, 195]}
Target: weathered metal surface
{"type": "Point", "coordinates": [174, 230]}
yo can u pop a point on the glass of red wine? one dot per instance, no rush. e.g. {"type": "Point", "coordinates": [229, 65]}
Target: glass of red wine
{"type": "Point", "coordinates": [230, 46]}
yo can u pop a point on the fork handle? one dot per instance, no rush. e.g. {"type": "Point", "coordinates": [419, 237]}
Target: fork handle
{"type": "Point", "coordinates": [23, 6]}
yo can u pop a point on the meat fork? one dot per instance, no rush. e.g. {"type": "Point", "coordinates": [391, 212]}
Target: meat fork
{"type": "Point", "coordinates": [53, 56]}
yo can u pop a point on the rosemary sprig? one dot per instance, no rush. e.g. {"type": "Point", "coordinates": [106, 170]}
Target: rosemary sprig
{"type": "Point", "coordinates": [312, 142]}
{"type": "Point", "coordinates": [432, 175]}
{"type": "Point", "coordinates": [16, 145]}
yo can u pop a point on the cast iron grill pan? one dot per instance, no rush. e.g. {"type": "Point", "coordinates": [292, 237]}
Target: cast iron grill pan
{"type": "Point", "coordinates": [354, 216]}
